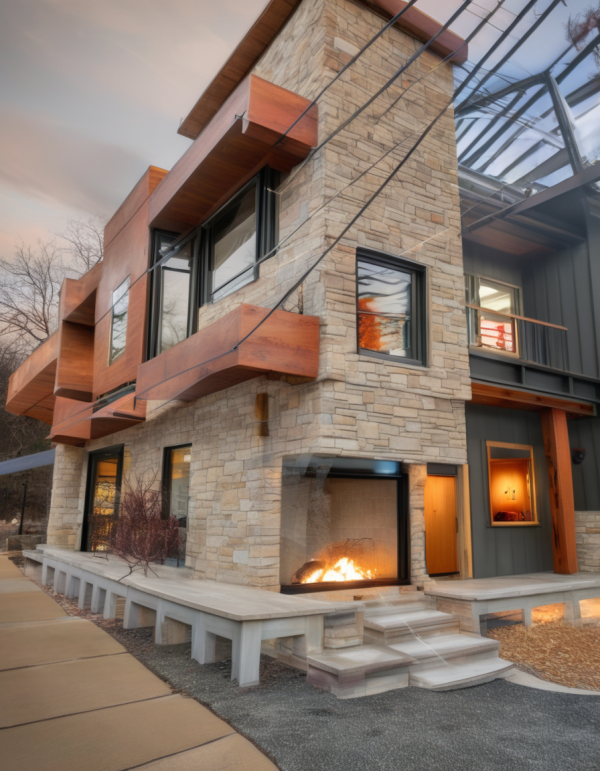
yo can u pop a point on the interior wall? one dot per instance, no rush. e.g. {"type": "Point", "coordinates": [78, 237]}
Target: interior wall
{"type": "Point", "coordinates": [506, 550]}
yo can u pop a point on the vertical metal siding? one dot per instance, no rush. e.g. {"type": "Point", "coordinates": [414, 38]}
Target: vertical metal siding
{"type": "Point", "coordinates": [507, 550]}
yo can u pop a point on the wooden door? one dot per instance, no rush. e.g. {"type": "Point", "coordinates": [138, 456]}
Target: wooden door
{"type": "Point", "coordinates": [441, 525]}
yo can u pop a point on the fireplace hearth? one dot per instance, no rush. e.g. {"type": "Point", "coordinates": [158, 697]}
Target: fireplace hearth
{"type": "Point", "coordinates": [343, 524]}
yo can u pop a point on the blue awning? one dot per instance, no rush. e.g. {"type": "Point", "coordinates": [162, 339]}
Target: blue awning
{"type": "Point", "coordinates": [27, 462]}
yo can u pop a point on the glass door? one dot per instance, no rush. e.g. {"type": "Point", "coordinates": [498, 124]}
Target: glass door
{"type": "Point", "coordinates": [102, 499]}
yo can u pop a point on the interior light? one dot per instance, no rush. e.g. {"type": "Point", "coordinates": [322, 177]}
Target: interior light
{"type": "Point", "coordinates": [187, 458]}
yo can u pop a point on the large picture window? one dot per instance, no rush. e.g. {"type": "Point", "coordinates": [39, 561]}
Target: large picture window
{"type": "Point", "coordinates": [390, 307]}
{"type": "Point", "coordinates": [511, 478]}
{"type": "Point", "coordinates": [215, 260]}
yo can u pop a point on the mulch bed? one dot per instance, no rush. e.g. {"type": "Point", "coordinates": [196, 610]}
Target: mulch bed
{"type": "Point", "coordinates": [554, 651]}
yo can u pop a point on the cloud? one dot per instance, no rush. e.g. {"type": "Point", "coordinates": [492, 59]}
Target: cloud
{"type": "Point", "coordinates": [52, 162]}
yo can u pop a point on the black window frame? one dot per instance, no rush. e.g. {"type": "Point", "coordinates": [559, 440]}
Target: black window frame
{"type": "Point", "coordinates": [419, 328]}
{"type": "Point", "coordinates": [200, 294]}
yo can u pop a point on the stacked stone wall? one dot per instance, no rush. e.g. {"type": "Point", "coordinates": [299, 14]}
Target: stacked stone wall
{"type": "Point", "coordinates": [359, 406]}
{"type": "Point", "coordinates": [587, 537]}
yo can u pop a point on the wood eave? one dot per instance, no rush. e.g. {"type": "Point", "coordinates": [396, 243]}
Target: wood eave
{"type": "Point", "coordinates": [230, 150]}
{"type": "Point", "coordinates": [514, 398]}
{"type": "Point", "coordinates": [31, 386]}
{"type": "Point", "coordinates": [209, 361]}
{"type": "Point", "coordinates": [268, 25]}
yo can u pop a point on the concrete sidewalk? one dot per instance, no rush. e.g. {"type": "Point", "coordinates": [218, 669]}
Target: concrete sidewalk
{"type": "Point", "coordinates": [72, 698]}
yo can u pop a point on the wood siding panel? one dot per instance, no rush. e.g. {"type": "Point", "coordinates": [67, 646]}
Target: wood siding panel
{"type": "Point", "coordinates": [75, 366]}
{"type": "Point", "coordinates": [506, 551]}
{"type": "Point", "coordinates": [31, 386]}
{"type": "Point", "coordinates": [136, 198]}
{"type": "Point", "coordinates": [229, 151]}
{"type": "Point", "coordinates": [205, 363]}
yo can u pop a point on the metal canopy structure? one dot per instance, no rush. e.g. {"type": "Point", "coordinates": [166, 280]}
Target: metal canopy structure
{"type": "Point", "coordinates": [533, 133]}
{"type": "Point", "coordinates": [27, 462]}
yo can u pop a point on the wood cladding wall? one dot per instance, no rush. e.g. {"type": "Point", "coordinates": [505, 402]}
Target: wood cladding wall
{"type": "Point", "coordinates": [31, 387]}
{"type": "Point", "coordinates": [507, 550]}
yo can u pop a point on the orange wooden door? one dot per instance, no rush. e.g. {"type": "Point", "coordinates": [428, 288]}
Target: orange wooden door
{"type": "Point", "coordinates": [441, 525]}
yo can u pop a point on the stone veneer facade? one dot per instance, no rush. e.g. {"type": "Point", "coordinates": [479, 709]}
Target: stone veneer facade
{"type": "Point", "coordinates": [359, 406]}
{"type": "Point", "coordinates": [587, 536]}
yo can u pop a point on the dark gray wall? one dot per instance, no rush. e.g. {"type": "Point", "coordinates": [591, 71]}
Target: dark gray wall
{"type": "Point", "coordinates": [491, 263]}
{"type": "Point", "coordinates": [585, 432]}
{"type": "Point", "coordinates": [503, 551]}
{"type": "Point", "coordinates": [558, 289]}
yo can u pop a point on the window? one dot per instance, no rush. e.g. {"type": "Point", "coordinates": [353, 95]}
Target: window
{"type": "Point", "coordinates": [118, 330]}
{"type": "Point", "coordinates": [390, 307]}
{"type": "Point", "coordinates": [512, 484]}
{"type": "Point", "coordinates": [176, 492]}
{"type": "Point", "coordinates": [214, 261]}
{"type": "Point", "coordinates": [232, 244]}
{"type": "Point", "coordinates": [492, 306]}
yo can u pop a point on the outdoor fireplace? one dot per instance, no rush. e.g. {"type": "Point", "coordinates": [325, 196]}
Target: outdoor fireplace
{"type": "Point", "coordinates": [343, 523]}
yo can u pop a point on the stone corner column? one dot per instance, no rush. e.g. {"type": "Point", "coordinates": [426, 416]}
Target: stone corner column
{"type": "Point", "coordinates": [68, 495]}
{"type": "Point", "coordinates": [417, 476]}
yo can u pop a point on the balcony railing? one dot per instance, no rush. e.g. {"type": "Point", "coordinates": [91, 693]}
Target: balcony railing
{"type": "Point", "coordinates": [518, 336]}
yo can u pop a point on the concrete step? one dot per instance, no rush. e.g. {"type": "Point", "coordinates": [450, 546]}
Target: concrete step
{"type": "Point", "coordinates": [359, 671]}
{"type": "Point", "coordinates": [373, 609]}
{"type": "Point", "coordinates": [445, 647]}
{"type": "Point", "coordinates": [448, 677]}
{"type": "Point", "coordinates": [393, 627]}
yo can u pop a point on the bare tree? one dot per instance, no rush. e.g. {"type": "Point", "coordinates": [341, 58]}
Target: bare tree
{"type": "Point", "coordinates": [85, 239]}
{"type": "Point", "coordinates": [29, 292]}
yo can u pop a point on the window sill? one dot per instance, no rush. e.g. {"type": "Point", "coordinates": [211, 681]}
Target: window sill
{"type": "Point", "coordinates": [396, 360]}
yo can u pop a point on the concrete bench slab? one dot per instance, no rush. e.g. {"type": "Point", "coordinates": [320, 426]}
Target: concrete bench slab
{"type": "Point", "coordinates": [52, 690]}
{"type": "Point", "coordinates": [49, 642]}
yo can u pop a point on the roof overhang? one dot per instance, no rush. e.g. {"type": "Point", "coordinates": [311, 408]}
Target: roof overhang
{"type": "Point", "coordinates": [267, 27]}
{"type": "Point", "coordinates": [246, 134]}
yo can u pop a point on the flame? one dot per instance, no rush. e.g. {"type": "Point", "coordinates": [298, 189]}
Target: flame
{"type": "Point", "coordinates": [345, 569]}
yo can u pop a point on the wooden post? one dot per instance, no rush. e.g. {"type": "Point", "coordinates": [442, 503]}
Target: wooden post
{"type": "Point", "coordinates": [562, 502]}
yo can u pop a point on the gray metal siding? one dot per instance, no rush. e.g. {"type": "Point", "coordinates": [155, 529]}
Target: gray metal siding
{"type": "Point", "coordinates": [501, 551]}
{"type": "Point", "coordinates": [585, 432]}
{"type": "Point", "coordinates": [558, 289]}
{"type": "Point", "coordinates": [491, 263]}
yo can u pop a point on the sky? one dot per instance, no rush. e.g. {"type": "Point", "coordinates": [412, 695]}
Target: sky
{"type": "Point", "coordinates": [92, 93]}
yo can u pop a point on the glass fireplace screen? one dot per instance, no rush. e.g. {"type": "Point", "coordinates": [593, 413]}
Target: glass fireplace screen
{"type": "Point", "coordinates": [339, 521]}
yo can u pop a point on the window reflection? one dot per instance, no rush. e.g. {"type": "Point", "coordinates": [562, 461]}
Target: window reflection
{"type": "Point", "coordinates": [385, 309]}
{"type": "Point", "coordinates": [177, 492]}
{"type": "Point", "coordinates": [234, 246]}
{"type": "Point", "coordinates": [120, 305]}
{"type": "Point", "coordinates": [175, 285]}
{"type": "Point", "coordinates": [491, 322]}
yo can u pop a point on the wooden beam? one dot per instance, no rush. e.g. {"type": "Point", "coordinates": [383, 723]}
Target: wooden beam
{"type": "Point", "coordinates": [562, 502]}
{"type": "Point", "coordinates": [500, 396]}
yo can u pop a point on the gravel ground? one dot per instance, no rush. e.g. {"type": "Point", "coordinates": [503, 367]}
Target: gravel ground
{"type": "Point", "coordinates": [493, 727]}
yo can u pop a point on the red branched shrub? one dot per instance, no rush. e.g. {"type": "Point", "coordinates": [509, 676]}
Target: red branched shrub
{"type": "Point", "coordinates": [141, 536]}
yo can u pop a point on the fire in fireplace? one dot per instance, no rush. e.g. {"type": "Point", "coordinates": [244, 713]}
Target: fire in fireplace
{"type": "Point", "coordinates": [343, 521]}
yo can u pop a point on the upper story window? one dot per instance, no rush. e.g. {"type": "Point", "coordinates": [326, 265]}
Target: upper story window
{"type": "Point", "coordinates": [492, 307]}
{"type": "Point", "coordinates": [214, 261]}
{"type": "Point", "coordinates": [391, 307]}
{"type": "Point", "coordinates": [118, 328]}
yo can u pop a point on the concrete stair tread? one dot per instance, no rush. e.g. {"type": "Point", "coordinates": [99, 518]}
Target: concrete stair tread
{"type": "Point", "coordinates": [446, 645]}
{"type": "Point", "coordinates": [360, 658]}
{"type": "Point", "coordinates": [449, 676]}
{"type": "Point", "coordinates": [409, 621]}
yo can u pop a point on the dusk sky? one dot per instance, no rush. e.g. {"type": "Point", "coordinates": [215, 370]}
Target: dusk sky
{"type": "Point", "coordinates": [91, 93]}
